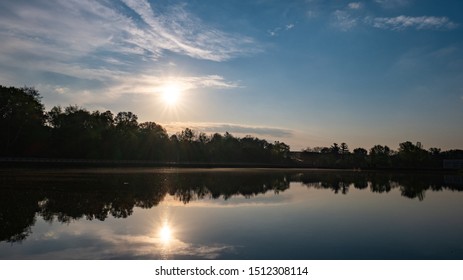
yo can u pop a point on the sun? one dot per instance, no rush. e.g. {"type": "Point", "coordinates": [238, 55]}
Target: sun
{"type": "Point", "coordinates": [171, 94]}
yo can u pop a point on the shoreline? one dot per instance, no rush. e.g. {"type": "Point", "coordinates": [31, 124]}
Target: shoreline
{"type": "Point", "coordinates": [89, 163]}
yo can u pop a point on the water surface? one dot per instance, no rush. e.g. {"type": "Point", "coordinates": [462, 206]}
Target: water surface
{"type": "Point", "coordinates": [229, 214]}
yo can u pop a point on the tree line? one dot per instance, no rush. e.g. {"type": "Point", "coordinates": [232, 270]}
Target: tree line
{"type": "Point", "coordinates": [74, 132]}
{"type": "Point", "coordinates": [408, 156]}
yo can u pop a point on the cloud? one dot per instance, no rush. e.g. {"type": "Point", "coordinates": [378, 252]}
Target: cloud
{"type": "Point", "coordinates": [241, 130]}
{"type": "Point", "coordinates": [149, 84]}
{"type": "Point", "coordinates": [99, 49]}
{"type": "Point", "coordinates": [68, 27]}
{"type": "Point", "coordinates": [353, 15]}
{"type": "Point", "coordinates": [348, 17]}
{"type": "Point", "coordinates": [61, 90]}
{"type": "Point", "coordinates": [179, 31]}
{"type": "Point", "coordinates": [276, 31]}
{"type": "Point", "coordinates": [354, 5]}
{"type": "Point", "coordinates": [119, 86]}
{"type": "Point", "coordinates": [344, 20]}
{"type": "Point", "coordinates": [94, 242]}
{"type": "Point", "coordinates": [406, 22]}
{"type": "Point", "coordinates": [142, 246]}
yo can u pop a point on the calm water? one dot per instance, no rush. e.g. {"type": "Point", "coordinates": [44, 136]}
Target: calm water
{"type": "Point", "coordinates": [229, 214]}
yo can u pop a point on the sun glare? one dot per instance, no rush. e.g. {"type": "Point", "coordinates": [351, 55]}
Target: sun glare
{"type": "Point", "coordinates": [165, 233]}
{"type": "Point", "coordinates": [171, 94]}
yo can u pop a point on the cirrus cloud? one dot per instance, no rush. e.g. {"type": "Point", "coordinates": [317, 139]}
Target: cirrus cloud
{"type": "Point", "coordinates": [101, 46]}
{"type": "Point", "coordinates": [344, 20]}
{"type": "Point", "coordinates": [405, 22]}
{"type": "Point", "coordinates": [239, 129]}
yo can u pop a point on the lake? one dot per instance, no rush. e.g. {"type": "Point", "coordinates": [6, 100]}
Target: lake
{"type": "Point", "coordinates": [155, 213]}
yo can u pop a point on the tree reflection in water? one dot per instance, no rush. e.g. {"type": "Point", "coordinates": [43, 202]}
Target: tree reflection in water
{"type": "Point", "coordinates": [64, 196]}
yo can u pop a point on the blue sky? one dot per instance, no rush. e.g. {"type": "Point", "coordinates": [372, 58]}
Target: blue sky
{"type": "Point", "coordinates": [308, 73]}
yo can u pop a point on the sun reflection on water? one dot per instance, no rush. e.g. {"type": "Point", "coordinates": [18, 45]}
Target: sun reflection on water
{"type": "Point", "coordinates": [165, 233]}
{"type": "Point", "coordinates": [167, 239]}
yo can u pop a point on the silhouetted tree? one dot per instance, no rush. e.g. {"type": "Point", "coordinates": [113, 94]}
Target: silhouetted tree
{"type": "Point", "coordinates": [434, 151]}
{"type": "Point", "coordinates": [334, 149]}
{"type": "Point", "coordinates": [153, 140]}
{"type": "Point", "coordinates": [126, 137]}
{"type": "Point", "coordinates": [21, 122]}
{"type": "Point", "coordinates": [380, 156]}
{"type": "Point", "coordinates": [344, 149]}
{"type": "Point", "coordinates": [411, 155]}
{"type": "Point", "coordinates": [280, 150]}
{"type": "Point", "coordinates": [74, 132]}
{"type": "Point", "coordinates": [360, 157]}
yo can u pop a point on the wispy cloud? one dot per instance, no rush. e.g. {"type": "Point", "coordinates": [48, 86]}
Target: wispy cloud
{"type": "Point", "coordinates": [276, 31]}
{"type": "Point", "coordinates": [149, 84]}
{"type": "Point", "coordinates": [240, 130]}
{"type": "Point", "coordinates": [350, 17]}
{"type": "Point", "coordinates": [104, 44]}
{"type": "Point", "coordinates": [406, 22]}
{"type": "Point", "coordinates": [179, 31]}
{"type": "Point", "coordinates": [99, 242]}
{"type": "Point", "coordinates": [354, 5]}
{"type": "Point", "coordinates": [354, 15]}
{"type": "Point", "coordinates": [344, 20]}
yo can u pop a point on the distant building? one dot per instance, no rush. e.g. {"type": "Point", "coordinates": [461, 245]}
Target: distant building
{"type": "Point", "coordinates": [453, 163]}
{"type": "Point", "coordinates": [295, 156]}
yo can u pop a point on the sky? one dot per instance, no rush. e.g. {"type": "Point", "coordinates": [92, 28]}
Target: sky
{"type": "Point", "coordinates": [308, 73]}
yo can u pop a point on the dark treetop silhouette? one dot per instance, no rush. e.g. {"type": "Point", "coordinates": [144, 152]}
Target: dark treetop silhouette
{"type": "Point", "coordinates": [75, 133]}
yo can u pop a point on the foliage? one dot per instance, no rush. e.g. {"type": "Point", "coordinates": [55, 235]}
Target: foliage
{"type": "Point", "coordinates": [21, 122]}
{"type": "Point", "coordinates": [408, 156]}
{"type": "Point", "coordinates": [75, 132]}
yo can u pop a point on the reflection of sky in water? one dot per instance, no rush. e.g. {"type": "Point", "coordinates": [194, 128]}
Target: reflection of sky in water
{"type": "Point", "coordinates": [299, 223]}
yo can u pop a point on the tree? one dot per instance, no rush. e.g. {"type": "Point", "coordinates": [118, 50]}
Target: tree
{"type": "Point", "coordinates": [103, 126]}
{"type": "Point", "coordinates": [22, 121]}
{"type": "Point", "coordinates": [325, 150]}
{"type": "Point", "coordinates": [75, 132]}
{"type": "Point", "coordinates": [434, 151]}
{"type": "Point", "coordinates": [360, 152]}
{"type": "Point", "coordinates": [126, 120]}
{"type": "Point", "coordinates": [344, 149]}
{"type": "Point", "coordinates": [411, 155]}
{"type": "Point", "coordinates": [153, 140]}
{"type": "Point", "coordinates": [187, 135]}
{"type": "Point", "coordinates": [280, 150]}
{"type": "Point", "coordinates": [360, 157]}
{"type": "Point", "coordinates": [380, 156]}
{"type": "Point", "coordinates": [203, 138]}
{"type": "Point", "coordinates": [335, 148]}
{"type": "Point", "coordinates": [126, 138]}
